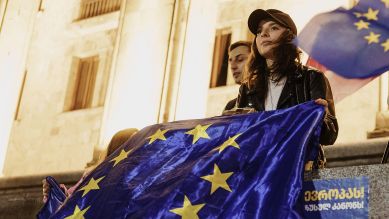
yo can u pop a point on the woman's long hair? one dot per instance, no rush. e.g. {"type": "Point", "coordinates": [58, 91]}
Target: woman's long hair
{"type": "Point", "coordinates": [287, 60]}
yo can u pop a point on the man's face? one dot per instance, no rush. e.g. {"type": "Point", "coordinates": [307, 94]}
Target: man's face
{"type": "Point", "coordinates": [237, 59]}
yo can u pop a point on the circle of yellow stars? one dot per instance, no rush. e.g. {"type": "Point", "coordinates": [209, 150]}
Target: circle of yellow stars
{"type": "Point", "coordinates": [188, 210]}
{"type": "Point", "coordinates": [93, 184]}
{"type": "Point", "coordinates": [371, 15]}
{"type": "Point", "coordinates": [218, 180]}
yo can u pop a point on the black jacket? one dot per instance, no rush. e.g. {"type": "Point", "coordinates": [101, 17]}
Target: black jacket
{"type": "Point", "coordinates": [305, 85]}
{"type": "Point", "coordinates": [230, 105]}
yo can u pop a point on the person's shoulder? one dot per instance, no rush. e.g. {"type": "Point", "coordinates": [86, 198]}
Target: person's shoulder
{"type": "Point", "coordinates": [231, 104]}
{"type": "Point", "coordinates": [310, 70]}
{"type": "Point", "coordinates": [246, 89]}
{"type": "Point", "coordinates": [311, 73]}
{"type": "Point", "coordinates": [244, 85]}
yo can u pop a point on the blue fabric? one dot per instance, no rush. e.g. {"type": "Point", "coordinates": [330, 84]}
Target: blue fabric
{"type": "Point", "coordinates": [156, 178]}
{"type": "Point", "coordinates": [56, 198]}
{"type": "Point", "coordinates": [334, 40]}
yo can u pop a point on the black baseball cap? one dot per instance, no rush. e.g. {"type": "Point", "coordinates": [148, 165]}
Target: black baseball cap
{"type": "Point", "coordinates": [273, 14]}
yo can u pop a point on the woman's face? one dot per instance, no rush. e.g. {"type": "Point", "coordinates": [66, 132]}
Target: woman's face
{"type": "Point", "coordinates": [268, 37]}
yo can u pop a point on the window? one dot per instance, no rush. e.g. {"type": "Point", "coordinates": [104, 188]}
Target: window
{"type": "Point", "coordinates": [92, 8]}
{"type": "Point", "coordinates": [220, 58]}
{"type": "Point", "coordinates": [82, 84]}
{"type": "Point", "coordinates": [17, 112]}
{"type": "Point", "coordinates": [3, 8]}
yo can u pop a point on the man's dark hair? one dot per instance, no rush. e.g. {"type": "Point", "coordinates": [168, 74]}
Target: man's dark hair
{"type": "Point", "coordinates": [239, 43]}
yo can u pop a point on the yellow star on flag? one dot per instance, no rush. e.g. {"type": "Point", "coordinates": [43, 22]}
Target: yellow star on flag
{"type": "Point", "coordinates": [78, 214]}
{"type": "Point", "coordinates": [218, 179]}
{"type": "Point", "coordinates": [230, 142]}
{"type": "Point", "coordinates": [386, 2]}
{"type": "Point", "coordinates": [372, 38]}
{"type": "Point", "coordinates": [198, 132]}
{"type": "Point", "coordinates": [362, 25]}
{"type": "Point", "coordinates": [188, 211]}
{"type": "Point", "coordinates": [158, 135]}
{"type": "Point", "coordinates": [358, 15]}
{"type": "Point", "coordinates": [92, 185]}
{"type": "Point", "coordinates": [123, 155]}
{"type": "Point", "coordinates": [371, 14]}
{"type": "Point", "coordinates": [386, 45]}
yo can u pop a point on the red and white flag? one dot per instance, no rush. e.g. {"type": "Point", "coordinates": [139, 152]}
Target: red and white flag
{"type": "Point", "coordinates": [341, 87]}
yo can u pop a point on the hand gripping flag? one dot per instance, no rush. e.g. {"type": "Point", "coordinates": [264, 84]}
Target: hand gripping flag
{"type": "Point", "coordinates": [240, 166]}
{"type": "Point", "coordinates": [353, 43]}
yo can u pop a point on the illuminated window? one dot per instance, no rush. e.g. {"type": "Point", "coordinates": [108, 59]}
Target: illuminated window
{"type": "Point", "coordinates": [17, 112]}
{"type": "Point", "coordinates": [3, 7]}
{"type": "Point", "coordinates": [220, 58]}
{"type": "Point", "coordinates": [82, 84]}
{"type": "Point", "coordinates": [92, 8]}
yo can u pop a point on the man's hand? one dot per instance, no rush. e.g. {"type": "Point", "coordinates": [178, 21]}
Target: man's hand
{"type": "Point", "coordinates": [45, 190]}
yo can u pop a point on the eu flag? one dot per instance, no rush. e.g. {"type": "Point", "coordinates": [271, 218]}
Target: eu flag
{"type": "Point", "coordinates": [240, 166]}
{"type": "Point", "coordinates": [353, 43]}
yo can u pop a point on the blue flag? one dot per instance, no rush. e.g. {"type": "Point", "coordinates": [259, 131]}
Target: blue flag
{"type": "Point", "coordinates": [353, 43]}
{"type": "Point", "coordinates": [240, 166]}
{"type": "Point", "coordinates": [56, 199]}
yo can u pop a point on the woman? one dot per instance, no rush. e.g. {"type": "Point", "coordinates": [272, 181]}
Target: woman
{"type": "Point", "coordinates": [276, 79]}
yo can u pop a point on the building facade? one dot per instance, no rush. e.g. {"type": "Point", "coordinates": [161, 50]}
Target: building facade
{"type": "Point", "coordinates": [75, 72]}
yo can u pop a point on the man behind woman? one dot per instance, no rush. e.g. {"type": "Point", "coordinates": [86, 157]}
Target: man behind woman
{"type": "Point", "coordinates": [238, 53]}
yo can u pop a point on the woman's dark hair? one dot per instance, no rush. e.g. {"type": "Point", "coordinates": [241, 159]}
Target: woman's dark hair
{"type": "Point", "coordinates": [287, 60]}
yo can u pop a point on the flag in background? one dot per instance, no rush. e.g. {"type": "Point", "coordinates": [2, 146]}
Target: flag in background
{"type": "Point", "coordinates": [352, 43]}
{"type": "Point", "coordinates": [341, 87]}
{"type": "Point", "coordinates": [240, 166]}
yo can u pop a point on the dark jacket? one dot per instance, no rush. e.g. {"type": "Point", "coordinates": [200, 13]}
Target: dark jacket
{"type": "Point", "coordinates": [305, 85]}
{"type": "Point", "coordinates": [231, 104]}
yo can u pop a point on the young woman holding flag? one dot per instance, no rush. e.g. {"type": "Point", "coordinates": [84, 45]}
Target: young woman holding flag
{"type": "Point", "coordinates": [276, 79]}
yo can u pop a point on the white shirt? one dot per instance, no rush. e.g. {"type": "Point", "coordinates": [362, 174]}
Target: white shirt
{"type": "Point", "coordinates": [274, 93]}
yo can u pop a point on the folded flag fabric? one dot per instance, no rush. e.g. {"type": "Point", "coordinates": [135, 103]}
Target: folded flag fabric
{"type": "Point", "coordinates": [352, 43]}
{"type": "Point", "coordinates": [341, 87]}
{"type": "Point", "coordinates": [240, 166]}
{"type": "Point", "coordinates": [56, 199]}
